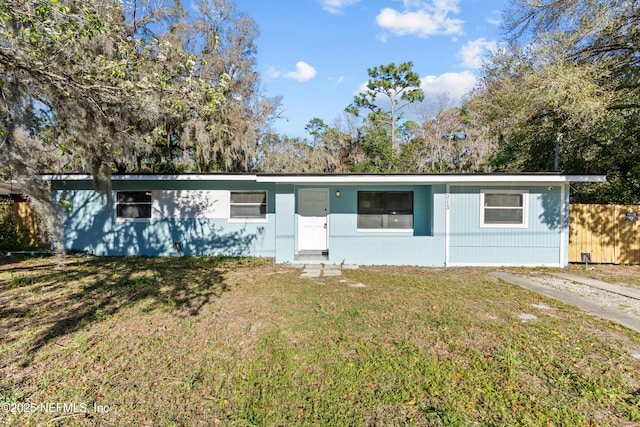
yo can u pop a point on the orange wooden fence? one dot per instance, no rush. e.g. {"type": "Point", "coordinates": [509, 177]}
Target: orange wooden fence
{"type": "Point", "coordinates": [25, 220]}
{"type": "Point", "coordinates": [610, 233]}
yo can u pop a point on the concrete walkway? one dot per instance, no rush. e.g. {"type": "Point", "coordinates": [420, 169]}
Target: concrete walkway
{"type": "Point", "coordinates": [325, 270]}
{"type": "Point", "coordinates": [590, 305]}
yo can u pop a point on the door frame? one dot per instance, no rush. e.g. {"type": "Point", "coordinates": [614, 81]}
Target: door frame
{"type": "Point", "coordinates": [299, 235]}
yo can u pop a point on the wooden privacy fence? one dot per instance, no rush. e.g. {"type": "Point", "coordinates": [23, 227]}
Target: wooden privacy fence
{"type": "Point", "coordinates": [610, 233]}
{"type": "Point", "coordinates": [25, 221]}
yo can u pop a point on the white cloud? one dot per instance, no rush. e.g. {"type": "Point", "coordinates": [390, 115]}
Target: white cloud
{"type": "Point", "coordinates": [272, 73]}
{"type": "Point", "coordinates": [454, 85]}
{"type": "Point", "coordinates": [495, 18]}
{"type": "Point", "coordinates": [422, 18]}
{"type": "Point", "coordinates": [338, 80]}
{"type": "Point", "coordinates": [302, 73]}
{"type": "Point", "coordinates": [337, 6]}
{"type": "Point", "coordinates": [472, 52]}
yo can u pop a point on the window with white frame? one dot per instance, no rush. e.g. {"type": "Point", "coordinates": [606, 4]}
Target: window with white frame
{"type": "Point", "coordinates": [503, 208]}
{"type": "Point", "coordinates": [133, 204]}
{"type": "Point", "coordinates": [248, 205]}
{"type": "Point", "coordinates": [381, 210]}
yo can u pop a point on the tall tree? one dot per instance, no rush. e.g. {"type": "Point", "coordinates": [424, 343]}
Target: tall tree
{"type": "Point", "coordinates": [281, 154]}
{"type": "Point", "coordinates": [398, 85]}
{"type": "Point", "coordinates": [379, 155]}
{"type": "Point", "coordinates": [444, 138]}
{"type": "Point", "coordinates": [207, 137]}
{"type": "Point", "coordinates": [68, 96]}
{"type": "Point", "coordinates": [97, 85]}
{"type": "Point", "coordinates": [569, 75]}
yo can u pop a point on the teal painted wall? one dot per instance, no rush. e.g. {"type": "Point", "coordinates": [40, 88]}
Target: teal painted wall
{"type": "Point", "coordinates": [537, 244]}
{"type": "Point", "coordinates": [423, 246]}
{"type": "Point", "coordinates": [91, 225]}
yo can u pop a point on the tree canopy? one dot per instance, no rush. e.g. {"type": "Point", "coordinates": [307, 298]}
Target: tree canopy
{"type": "Point", "coordinates": [396, 83]}
{"type": "Point", "coordinates": [104, 85]}
{"type": "Point", "coordinates": [569, 74]}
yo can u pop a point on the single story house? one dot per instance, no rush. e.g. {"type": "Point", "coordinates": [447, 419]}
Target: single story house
{"type": "Point", "coordinates": [425, 220]}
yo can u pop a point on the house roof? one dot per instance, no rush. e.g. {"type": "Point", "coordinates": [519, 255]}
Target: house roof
{"type": "Point", "coordinates": [464, 178]}
{"type": "Point", "coordinates": [8, 188]}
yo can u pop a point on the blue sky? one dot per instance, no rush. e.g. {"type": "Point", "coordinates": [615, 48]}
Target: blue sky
{"type": "Point", "coordinates": [315, 53]}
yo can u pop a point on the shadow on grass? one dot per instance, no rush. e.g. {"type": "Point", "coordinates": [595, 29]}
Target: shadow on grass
{"type": "Point", "coordinates": [58, 301]}
{"type": "Point", "coordinates": [9, 257]}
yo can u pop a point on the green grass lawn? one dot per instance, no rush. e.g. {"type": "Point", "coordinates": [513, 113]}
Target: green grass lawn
{"type": "Point", "coordinates": [237, 342]}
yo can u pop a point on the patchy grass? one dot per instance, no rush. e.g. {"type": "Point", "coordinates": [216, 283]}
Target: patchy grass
{"type": "Point", "coordinates": [206, 341]}
{"type": "Point", "coordinates": [627, 274]}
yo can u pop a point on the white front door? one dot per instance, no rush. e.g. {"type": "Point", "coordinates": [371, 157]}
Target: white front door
{"type": "Point", "coordinates": [313, 207]}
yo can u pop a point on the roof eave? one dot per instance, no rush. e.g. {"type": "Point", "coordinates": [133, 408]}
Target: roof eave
{"type": "Point", "coordinates": [351, 178]}
{"type": "Point", "coordinates": [432, 179]}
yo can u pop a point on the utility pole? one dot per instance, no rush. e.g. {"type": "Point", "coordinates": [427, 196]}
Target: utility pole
{"type": "Point", "coordinates": [557, 157]}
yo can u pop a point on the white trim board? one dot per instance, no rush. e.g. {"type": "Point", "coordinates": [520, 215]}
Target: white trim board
{"type": "Point", "coordinates": [494, 265]}
{"type": "Point", "coordinates": [471, 179]}
{"type": "Point", "coordinates": [480, 179]}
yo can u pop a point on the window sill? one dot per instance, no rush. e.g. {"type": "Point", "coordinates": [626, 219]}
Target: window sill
{"type": "Point", "coordinates": [133, 219]}
{"type": "Point", "coordinates": [504, 226]}
{"type": "Point", "coordinates": [248, 220]}
{"type": "Point", "coordinates": [386, 230]}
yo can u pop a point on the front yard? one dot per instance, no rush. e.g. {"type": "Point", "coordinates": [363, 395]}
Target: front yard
{"type": "Point", "coordinates": [210, 341]}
